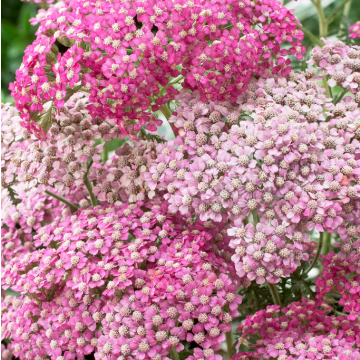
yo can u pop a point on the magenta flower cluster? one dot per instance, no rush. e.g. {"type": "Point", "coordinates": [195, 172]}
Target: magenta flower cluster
{"type": "Point", "coordinates": [341, 275]}
{"type": "Point", "coordinates": [113, 54]}
{"type": "Point", "coordinates": [355, 30]}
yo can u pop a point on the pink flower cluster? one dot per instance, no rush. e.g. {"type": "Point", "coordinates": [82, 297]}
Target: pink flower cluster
{"type": "Point", "coordinates": [262, 157]}
{"type": "Point", "coordinates": [60, 160]}
{"type": "Point", "coordinates": [113, 54]}
{"type": "Point", "coordinates": [159, 285]}
{"type": "Point", "coordinates": [25, 205]}
{"type": "Point", "coordinates": [341, 275]}
{"type": "Point", "coordinates": [355, 30]}
{"type": "Point", "coordinates": [122, 177]}
{"type": "Point", "coordinates": [274, 155]}
{"type": "Point", "coordinates": [340, 63]}
{"type": "Point", "coordinates": [300, 331]}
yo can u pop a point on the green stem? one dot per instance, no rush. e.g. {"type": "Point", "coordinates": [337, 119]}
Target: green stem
{"type": "Point", "coordinates": [174, 355]}
{"type": "Point", "coordinates": [105, 153]}
{"type": "Point", "coordinates": [93, 199]}
{"type": "Point", "coordinates": [309, 291]}
{"type": "Point", "coordinates": [323, 28]}
{"type": "Point", "coordinates": [345, 14]}
{"type": "Point", "coordinates": [275, 294]}
{"type": "Point", "coordinates": [342, 94]}
{"type": "Point", "coordinates": [327, 87]}
{"type": "Point", "coordinates": [176, 80]}
{"type": "Point", "coordinates": [312, 37]}
{"type": "Point", "coordinates": [229, 343]}
{"type": "Point", "coordinates": [88, 165]}
{"type": "Point", "coordinates": [318, 252]}
{"type": "Point", "coordinates": [326, 245]}
{"type": "Point", "coordinates": [171, 83]}
{"type": "Point", "coordinates": [255, 217]}
{"type": "Point", "coordinates": [62, 199]}
{"type": "Point", "coordinates": [336, 11]}
{"type": "Point", "coordinates": [165, 110]}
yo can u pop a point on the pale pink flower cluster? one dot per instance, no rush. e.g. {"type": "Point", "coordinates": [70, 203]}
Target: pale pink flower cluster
{"type": "Point", "coordinates": [122, 176]}
{"type": "Point", "coordinates": [60, 160]}
{"type": "Point", "coordinates": [275, 155]}
{"type": "Point", "coordinates": [340, 63]}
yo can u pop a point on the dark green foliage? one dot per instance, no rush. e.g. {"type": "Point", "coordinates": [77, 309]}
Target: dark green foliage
{"type": "Point", "coordinates": [16, 34]}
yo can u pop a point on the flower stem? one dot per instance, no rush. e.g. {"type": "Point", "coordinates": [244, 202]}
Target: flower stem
{"type": "Point", "coordinates": [308, 290]}
{"type": "Point", "coordinates": [93, 198]}
{"type": "Point", "coordinates": [323, 26]}
{"type": "Point", "coordinates": [318, 252]}
{"type": "Point", "coordinates": [341, 95]}
{"type": "Point", "coordinates": [255, 217]}
{"type": "Point", "coordinates": [326, 245]}
{"type": "Point", "coordinates": [311, 36]}
{"type": "Point", "coordinates": [327, 87]}
{"type": "Point", "coordinates": [229, 343]}
{"type": "Point", "coordinates": [174, 355]}
{"type": "Point", "coordinates": [62, 199]}
{"type": "Point", "coordinates": [345, 4]}
{"type": "Point", "coordinates": [105, 153]}
{"type": "Point", "coordinates": [165, 110]}
{"type": "Point", "coordinates": [275, 294]}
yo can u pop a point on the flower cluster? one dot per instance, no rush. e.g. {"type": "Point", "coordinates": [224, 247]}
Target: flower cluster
{"type": "Point", "coordinates": [355, 30]}
{"type": "Point", "coordinates": [22, 217]}
{"type": "Point", "coordinates": [60, 160]}
{"type": "Point", "coordinates": [122, 177]}
{"type": "Point", "coordinates": [273, 154]}
{"type": "Point", "coordinates": [341, 276]}
{"type": "Point", "coordinates": [301, 330]}
{"type": "Point", "coordinates": [120, 245]}
{"type": "Point", "coordinates": [149, 271]}
{"type": "Point", "coordinates": [24, 205]}
{"type": "Point", "coordinates": [113, 54]}
{"type": "Point", "coordinates": [340, 63]}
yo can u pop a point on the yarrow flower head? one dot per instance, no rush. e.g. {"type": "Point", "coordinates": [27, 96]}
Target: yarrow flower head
{"type": "Point", "coordinates": [59, 160]}
{"type": "Point", "coordinates": [300, 330]}
{"type": "Point", "coordinates": [113, 54]}
{"type": "Point", "coordinates": [355, 30]}
{"type": "Point", "coordinates": [341, 276]}
{"type": "Point", "coordinates": [165, 274]}
{"type": "Point", "coordinates": [122, 177]}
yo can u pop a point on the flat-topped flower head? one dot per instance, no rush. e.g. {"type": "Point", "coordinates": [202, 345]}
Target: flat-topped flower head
{"type": "Point", "coordinates": [112, 53]}
{"type": "Point", "coordinates": [300, 330]}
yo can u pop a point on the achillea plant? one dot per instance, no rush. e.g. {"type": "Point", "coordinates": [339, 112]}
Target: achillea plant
{"type": "Point", "coordinates": [119, 244]}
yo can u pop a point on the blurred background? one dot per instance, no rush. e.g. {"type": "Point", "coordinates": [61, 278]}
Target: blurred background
{"type": "Point", "coordinates": [17, 33]}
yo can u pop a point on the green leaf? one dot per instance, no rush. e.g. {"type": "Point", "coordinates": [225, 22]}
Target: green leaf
{"type": "Point", "coordinates": [13, 195]}
{"type": "Point", "coordinates": [45, 120]}
{"type": "Point", "coordinates": [71, 92]}
{"type": "Point", "coordinates": [24, 26]}
{"type": "Point", "coordinates": [184, 354]}
{"type": "Point", "coordinates": [13, 293]}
